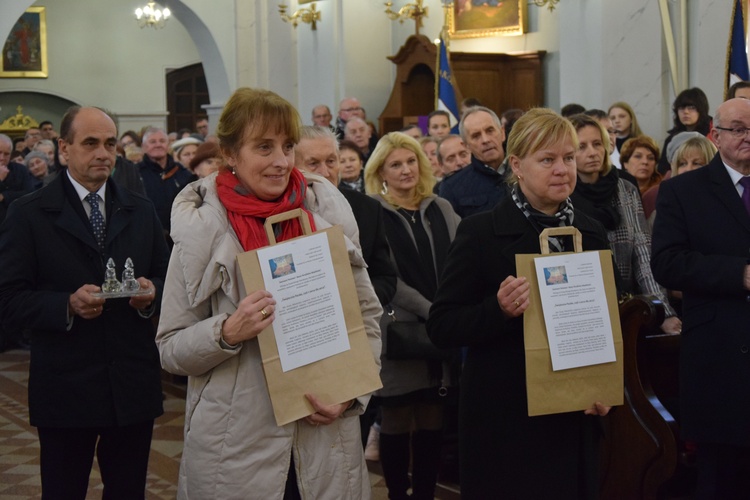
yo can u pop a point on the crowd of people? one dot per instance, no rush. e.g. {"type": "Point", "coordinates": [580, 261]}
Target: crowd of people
{"type": "Point", "coordinates": [433, 219]}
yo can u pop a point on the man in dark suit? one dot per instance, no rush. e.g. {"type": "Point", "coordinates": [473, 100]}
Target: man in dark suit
{"type": "Point", "coordinates": [94, 382]}
{"type": "Point", "coordinates": [701, 246]}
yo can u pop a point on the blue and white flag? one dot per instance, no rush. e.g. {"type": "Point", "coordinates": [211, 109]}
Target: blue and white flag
{"type": "Point", "coordinates": [737, 68]}
{"type": "Point", "coordinates": [445, 95]}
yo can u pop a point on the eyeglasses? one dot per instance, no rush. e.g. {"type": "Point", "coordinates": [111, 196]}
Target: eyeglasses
{"type": "Point", "coordinates": [688, 107]}
{"type": "Point", "coordinates": [349, 110]}
{"type": "Point", "coordinates": [737, 133]}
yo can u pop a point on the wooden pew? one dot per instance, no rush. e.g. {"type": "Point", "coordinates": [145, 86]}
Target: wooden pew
{"type": "Point", "coordinates": [642, 454]}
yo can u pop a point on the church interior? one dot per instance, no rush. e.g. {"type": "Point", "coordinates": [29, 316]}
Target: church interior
{"type": "Point", "coordinates": [552, 53]}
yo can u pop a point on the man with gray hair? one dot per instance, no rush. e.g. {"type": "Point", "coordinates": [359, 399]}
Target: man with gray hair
{"type": "Point", "coordinates": [6, 148]}
{"type": "Point", "coordinates": [317, 152]}
{"type": "Point", "coordinates": [15, 179]}
{"type": "Point", "coordinates": [321, 116]}
{"type": "Point", "coordinates": [358, 131]}
{"type": "Point", "coordinates": [162, 177]}
{"type": "Point", "coordinates": [482, 184]}
{"type": "Point", "coordinates": [349, 107]}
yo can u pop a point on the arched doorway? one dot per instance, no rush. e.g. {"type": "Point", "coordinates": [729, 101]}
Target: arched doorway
{"type": "Point", "coordinates": [187, 91]}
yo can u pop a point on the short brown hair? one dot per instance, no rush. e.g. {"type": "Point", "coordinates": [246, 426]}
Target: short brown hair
{"type": "Point", "coordinates": [643, 141]}
{"type": "Point", "coordinates": [252, 112]}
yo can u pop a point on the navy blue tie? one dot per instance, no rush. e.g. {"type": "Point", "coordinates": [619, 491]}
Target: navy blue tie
{"type": "Point", "coordinates": [96, 218]}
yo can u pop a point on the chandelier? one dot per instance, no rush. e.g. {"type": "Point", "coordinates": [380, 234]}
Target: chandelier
{"type": "Point", "coordinates": [151, 15]}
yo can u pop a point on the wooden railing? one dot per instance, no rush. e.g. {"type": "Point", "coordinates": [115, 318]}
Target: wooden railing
{"type": "Point", "coordinates": [642, 455]}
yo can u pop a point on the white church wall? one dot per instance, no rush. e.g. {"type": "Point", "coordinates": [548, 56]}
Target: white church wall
{"type": "Point", "coordinates": [320, 54]}
{"type": "Point", "coordinates": [708, 29]}
{"type": "Point", "coordinates": [98, 55]}
{"type": "Point", "coordinates": [366, 72]}
{"type": "Point", "coordinates": [617, 52]}
{"type": "Point", "coordinates": [598, 51]}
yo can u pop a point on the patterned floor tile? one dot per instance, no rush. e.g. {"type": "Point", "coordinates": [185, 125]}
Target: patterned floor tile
{"type": "Point", "coordinates": [19, 446]}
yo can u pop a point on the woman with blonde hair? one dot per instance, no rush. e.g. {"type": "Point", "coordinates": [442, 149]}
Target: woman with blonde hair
{"type": "Point", "coordinates": [419, 227]}
{"type": "Point", "coordinates": [480, 305]}
{"type": "Point", "coordinates": [602, 195]}
{"type": "Point", "coordinates": [626, 126]}
{"type": "Point", "coordinates": [694, 153]}
{"type": "Point", "coordinates": [687, 151]}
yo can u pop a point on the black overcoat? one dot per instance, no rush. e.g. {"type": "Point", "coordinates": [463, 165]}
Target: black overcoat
{"type": "Point", "coordinates": [503, 451]}
{"type": "Point", "coordinates": [701, 246]}
{"type": "Point", "coordinates": [100, 372]}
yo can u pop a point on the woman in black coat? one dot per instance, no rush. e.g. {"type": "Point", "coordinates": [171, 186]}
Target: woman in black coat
{"type": "Point", "coordinates": [480, 304]}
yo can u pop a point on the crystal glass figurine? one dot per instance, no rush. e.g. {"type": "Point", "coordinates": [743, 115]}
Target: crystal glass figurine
{"type": "Point", "coordinates": [110, 285]}
{"type": "Point", "coordinates": [129, 283]}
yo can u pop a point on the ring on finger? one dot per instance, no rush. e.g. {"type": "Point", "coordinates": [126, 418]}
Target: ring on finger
{"type": "Point", "coordinates": [264, 313]}
{"type": "Point", "coordinates": [517, 304]}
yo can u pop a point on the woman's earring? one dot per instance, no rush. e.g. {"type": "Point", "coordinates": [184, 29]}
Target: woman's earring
{"type": "Point", "coordinates": [384, 191]}
{"type": "Point", "coordinates": [234, 172]}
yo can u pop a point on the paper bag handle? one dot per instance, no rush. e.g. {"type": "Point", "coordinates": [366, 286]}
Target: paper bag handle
{"type": "Point", "coordinates": [560, 231]}
{"type": "Point", "coordinates": [291, 214]}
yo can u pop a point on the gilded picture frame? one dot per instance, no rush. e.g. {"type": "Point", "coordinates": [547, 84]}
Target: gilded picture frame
{"type": "Point", "coordinates": [483, 18]}
{"type": "Point", "coordinates": [25, 50]}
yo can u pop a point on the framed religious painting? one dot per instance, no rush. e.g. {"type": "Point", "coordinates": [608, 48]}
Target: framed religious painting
{"type": "Point", "coordinates": [25, 50]}
{"type": "Point", "coordinates": [480, 18]}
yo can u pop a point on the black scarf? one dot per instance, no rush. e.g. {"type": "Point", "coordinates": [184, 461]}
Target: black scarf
{"type": "Point", "coordinates": [597, 200]}
{"type": "Point", "coordinates": [540, 221]}
{"type": "Point", "coordinates": [416, 271]}
{"type": "Point", "coordinates": [619, 141]}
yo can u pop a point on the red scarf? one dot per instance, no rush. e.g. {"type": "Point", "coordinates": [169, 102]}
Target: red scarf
{"type": "Point", "coordinates": [247, 213]}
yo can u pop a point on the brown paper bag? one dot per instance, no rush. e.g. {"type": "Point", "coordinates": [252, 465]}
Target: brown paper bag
{"type": "Point", "coordinates": [335, 379]}
{"type": "Point", "coordinates": [574, 389]}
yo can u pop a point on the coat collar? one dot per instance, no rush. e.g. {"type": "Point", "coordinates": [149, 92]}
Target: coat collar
{"type": "Point", "coordinates": [722, 187]}
{"type": "Point", "coordinates": [509, 222]}
{"type": "Point", "coordinates": [60, 198]}
{"type": "Point", "coordinates": [150, 164]}
{"type": "Point", "coordinates": [482, 168]}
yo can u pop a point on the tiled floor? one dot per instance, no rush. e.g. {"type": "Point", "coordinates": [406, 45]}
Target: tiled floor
{"type": "Point", "coordinates": [19, 447]}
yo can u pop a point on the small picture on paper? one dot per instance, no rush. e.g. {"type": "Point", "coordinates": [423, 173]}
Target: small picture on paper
{"type": "Point", "coordinates": [282, 266]}
{"type": "Point", "coordinates": [555, 275]}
